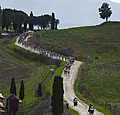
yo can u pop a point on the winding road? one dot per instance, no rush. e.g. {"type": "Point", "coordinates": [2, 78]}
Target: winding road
{"type": "Point", "coordinates": [68, 85]}
{"type": "Point", "coordinates": [69, 95]}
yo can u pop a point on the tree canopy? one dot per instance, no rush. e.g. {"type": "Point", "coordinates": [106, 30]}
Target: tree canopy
{"type": "Point", "coordinates": [21, 93]}
{"type": "Point", "coordinates": [19, 20]}
{"type": "Point", "coordinates": [13, 87]}
{"type": "Point", "coordinates": [105, 11]}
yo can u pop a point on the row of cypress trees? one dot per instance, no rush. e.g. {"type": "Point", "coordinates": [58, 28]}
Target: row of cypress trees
{"type": "Point", "coordinates": [13, 89]}
{"type": "Point", "coordinates": [19, 20]}
{"type": "Point", "coordinates": [56, 98]}
{"type": "Point", "coordinates": [22, 90]}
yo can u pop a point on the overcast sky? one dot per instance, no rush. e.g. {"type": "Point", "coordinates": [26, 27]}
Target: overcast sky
{"type": "Point", "coordinates": [71, 13]}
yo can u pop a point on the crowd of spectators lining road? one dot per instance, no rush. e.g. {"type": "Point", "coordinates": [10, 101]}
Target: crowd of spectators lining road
{"type": "Point", "coordinates": [23, 40]}
{"type": "Point", "coordinates": [11, 105]}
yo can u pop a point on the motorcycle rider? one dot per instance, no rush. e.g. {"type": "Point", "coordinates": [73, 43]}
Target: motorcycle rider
{"type": "Point", "coordinates": [91, 109]}
{"type": "Point", "coordinates": [75, 101]}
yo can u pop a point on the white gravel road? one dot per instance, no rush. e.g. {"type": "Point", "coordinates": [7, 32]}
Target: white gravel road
{"type": "Point", "coordinates": [69, 95]}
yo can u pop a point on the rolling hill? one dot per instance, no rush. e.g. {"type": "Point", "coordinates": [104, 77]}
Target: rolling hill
{"type": "Point", "coordinates": [13, 64]}
{"type": "Point", "coordinates": [99, 48]}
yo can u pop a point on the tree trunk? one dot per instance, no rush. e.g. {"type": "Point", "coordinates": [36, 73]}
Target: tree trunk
{"type": "Point", "coordinates": [106, 19]}
{"type": "Point", "coordinates": [38, 28]}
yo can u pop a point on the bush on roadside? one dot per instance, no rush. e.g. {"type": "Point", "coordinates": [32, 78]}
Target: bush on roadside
{"type": "Point", "coordinates": [38, 57]}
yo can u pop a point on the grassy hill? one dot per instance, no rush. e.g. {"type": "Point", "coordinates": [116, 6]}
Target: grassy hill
{"type": "Point", "coordinates": [14, 65]}
{"type": "Point", "coordinates": [100, 77]}
{"type": "Point", "coordinates": [22, 65]}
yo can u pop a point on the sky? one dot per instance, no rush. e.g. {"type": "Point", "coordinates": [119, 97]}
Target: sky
{"type": "Point", "coordinates": [71, 13]}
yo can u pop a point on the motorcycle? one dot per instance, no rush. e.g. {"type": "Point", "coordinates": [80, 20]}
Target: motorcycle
{"type": "Point", "coordinates": [91, 110]}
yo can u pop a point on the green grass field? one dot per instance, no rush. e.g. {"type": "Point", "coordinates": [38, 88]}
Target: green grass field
{"type": "Point", "coordinates": [14, 65]}
{"type": "Point", "coordinates": [102, 76]}
{"type": "Point", "coordinates": [33, 73]}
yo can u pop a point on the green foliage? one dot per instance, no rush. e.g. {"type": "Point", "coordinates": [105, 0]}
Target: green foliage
{"type": "Point", "coordinates": [13, 87]}
{"type": "Point", "coordinates": [58, 71]}
{"type": "Point", "coordinates": [44, 21]}
{"type": "Point", "coordinates": [15, 17]}
{"type": "Point", "coordinates": [83, 97]}
{"type": "Point", "coordinates": [21, 93]}
{"type": "Point", "coordinates": [72, 112]}
{"type": "Point", "coordinates": [96, 41]}
{"type": "Point", "coordinates": [14, 65]}
{"type": "Point", "coordinates": [3, 19]}
{"type": "Point", "coordinates": [56, 23]}
{"type": "Point", "coordinates": [0, 17]}
{"type": "Point", "coordinates": [57, 97]}
{"type": "Point", "coordinates": [105, 11]}
{"type": "Point", "coordinates": [37, 57]}
{"type": "Point", "coordinates": [53, 21]}
{"type": "Point", "coordinates": [39, 90]}
{"type": "Point", "coordinates": [31, 21]}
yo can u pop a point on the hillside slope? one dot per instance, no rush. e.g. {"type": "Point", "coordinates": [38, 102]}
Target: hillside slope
{"type": "Point", "coordinates": [14, 65]}
{"type": "Point", "coordinates": [100, 76]}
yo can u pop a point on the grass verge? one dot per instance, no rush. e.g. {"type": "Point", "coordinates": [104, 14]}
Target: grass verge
{"type": "Point", "coordinates": [80, 96]}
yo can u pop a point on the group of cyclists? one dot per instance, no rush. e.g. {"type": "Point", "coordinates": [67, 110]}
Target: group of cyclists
{"type": "Point", "coordinates": [23, 40]}
{"type": "Point", "coordinates": [68, 66]}
{"type": "Point", "coordinates": [23, 36]}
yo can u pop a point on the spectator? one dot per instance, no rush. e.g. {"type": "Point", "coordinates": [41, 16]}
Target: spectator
{"type": "Point", "coordinates": [75, 101]}
{"type": "Point", "coordinates": [2, 108]}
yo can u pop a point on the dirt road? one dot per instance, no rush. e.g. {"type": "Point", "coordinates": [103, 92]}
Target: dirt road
{"type": "Point", "coordinates": [69, 95]}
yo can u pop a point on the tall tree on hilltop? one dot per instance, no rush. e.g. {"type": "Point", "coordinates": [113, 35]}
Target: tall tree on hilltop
{"type": "Point", "coordinates": [0, 16]}
{"type": "Point", "coordinates": [53, 21]}
{"type": "Point", "coordinates": [31, 21]}
{"type": "Point", "coordinates": [44, 21]}
{"type": "Point", "coordinates": [25, 21]}
{"type": "Point", "coordinates": [7, 17]}
{"type": "Point", "coordinates": [22, 17]}
{"type": "Point", "coordinates": [57, 97]}
{"type": "Point", "coordinates": [36, 21]}
{"type": "Point", "coordinates": [3, 19]}
{"type": "Point", "coordinates": [13, 87]}
{"type": "Point", "coordinates": [15, 25]}
{"type": "Point", "coordinates": [105, 11]}
{"type": "Point", "coordinates": [21, 93]}
{"type": "Point", "coordinates": [56, 23]}
{"type": "Point", "coordinates": [19, 18]}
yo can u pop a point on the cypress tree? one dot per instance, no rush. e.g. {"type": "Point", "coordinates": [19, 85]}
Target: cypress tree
{"type": "Point", "coordinates": [57, 97]}
{"type": "Point", "coordinates": [3, 19]}
{"type": "Point", "coordinates": [21, 93]}
{"type": "Point", "coordinates": [15, 25]}
{"type": "Point", "coordinates": [56, 23]}
{"type": "Point", "coordinates": [25, 27]}
{"type": "Point", "coordinates": [0, 16]}
{"type": "Point", "coordinates": [13, 87]}
{"type": "Point", "coordinates": [53, 21]}
{"type": "Point", "coordinates": [31, 21]}
{"type": "Point", "coordinates": [7, 20]}
{"type": "Point", "coordinates": [39, 91]}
